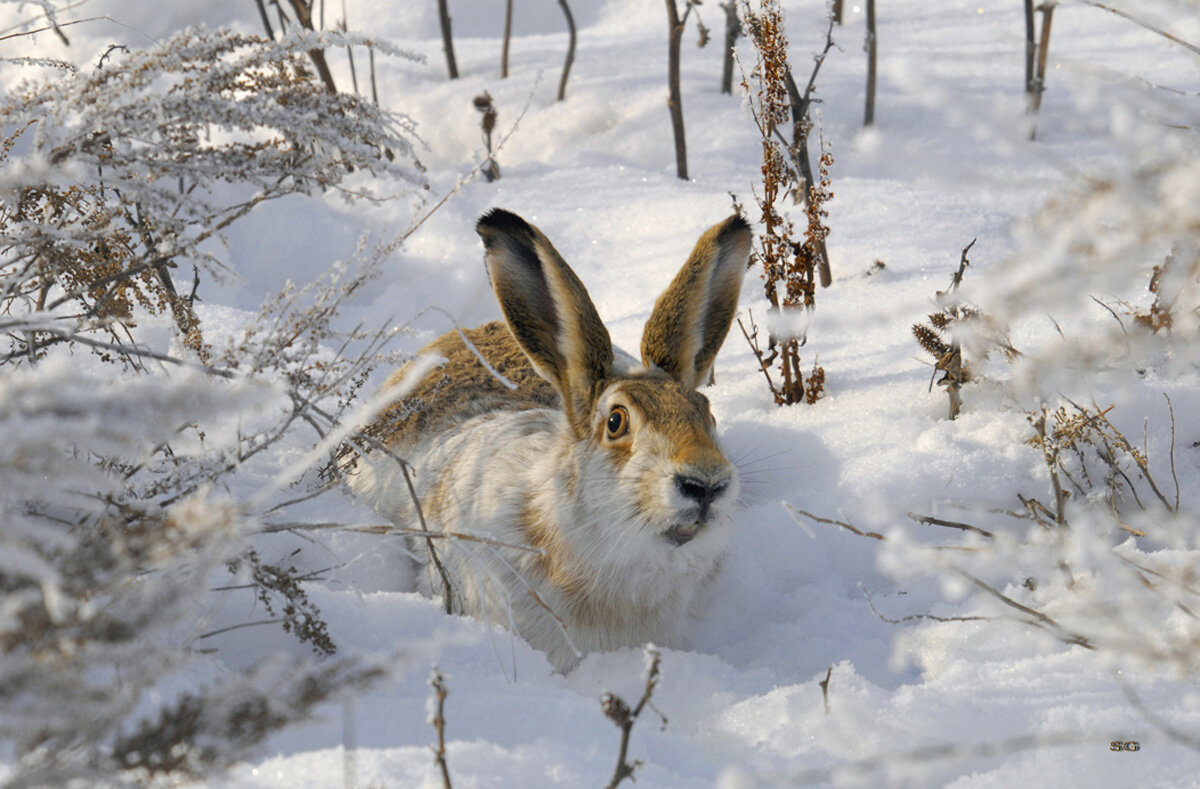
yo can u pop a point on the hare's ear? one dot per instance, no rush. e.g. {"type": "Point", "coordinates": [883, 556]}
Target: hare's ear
{"type": "Point", "coordinates": [693, 315]}
{"type": "Point", "coordinates": [548, 311]}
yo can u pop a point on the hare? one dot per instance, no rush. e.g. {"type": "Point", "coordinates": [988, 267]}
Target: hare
{"type": "Point", "coordinates": [608, 470]}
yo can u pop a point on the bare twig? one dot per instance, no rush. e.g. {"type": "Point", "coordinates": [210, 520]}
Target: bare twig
{"type": "Point", "coordinates": [1039, 81]}
{"type": "Point", "coordinates": [56, 27]}
{"type": "Point", "coordinates": [1039, 619]}
{"type": "Point", "coordinates": [447, 38]}
{"type": "Point", "coordinates": [616, 710]}
{"type": "Point", "coordinates": [508, 9]}
{"type": "Point", "coordinates": [303, 12]}
{"type": "Point", "coordinates": [1174, 476]}
{"type": "Point", "coordinates": [825, 688]}
{"type": "Point", "coordinates": [266, 20]}
{"type": "Point", "coordinates": [914, 617]}
{"type": "Point", "coordinates": [873, 535]}
{"type": "Point", "coordinates": [1144, 24]}
{"type": "Point", "coordinates": [932, 521]}
{"type": "Point", "coordinates": [869, 110]}
{"type": "Point", "coordinates": [674, 97]}
{"type": "Point", "coordinates": [764, 364]}
{"type": "Point", "coordinates": [239, 626]}
{"type": "Point", "coordinates": [562, 83]}
{"type": "Point", "coordinates": [438, 721]}
{"type": "Point", "coordinates": [733, 29]}
{"type": "Point", "coordinates": [1030, 50]}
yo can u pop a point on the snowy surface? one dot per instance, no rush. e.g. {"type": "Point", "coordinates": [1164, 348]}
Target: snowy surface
{"type": "Point", "coordinates": [947, 162]}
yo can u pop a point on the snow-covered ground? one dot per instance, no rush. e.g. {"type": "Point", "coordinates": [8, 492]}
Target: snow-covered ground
{"type": "Point", "coordinates": [946, 162]}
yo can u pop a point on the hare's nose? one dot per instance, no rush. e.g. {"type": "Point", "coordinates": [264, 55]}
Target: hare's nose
{"type": "Point", "coordinates": [700, 491]}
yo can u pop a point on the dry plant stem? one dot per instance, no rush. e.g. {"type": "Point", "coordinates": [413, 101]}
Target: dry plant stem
{"type": "Point", "coordinates": [1030, 51]}
{"type": "Point", "coordinates": [733, 28]}
{"type": "Point", "coordinates": [266, 20]}
{"type": "Point", "coordinates": [392, 529]}
{"type": "Point", "coordinates": [448, 602]}
{"type": "Point", "coordinates": [839, 11]}
{"type": "Point", "coordinates": [1039, 82]}
{"type": "Point", "coordinates": [619, 713]}
{"type": "Point", "coordinates": [562, 83]}
{"type": "Point", "coordinates": [854, 529]}
{"type": "Point", "coordinates": [869, 111]}
{"type": "Point", "coordinates": [304, 17]}
{"type": "Point", "coordinates": [1174, 476]}
{"type": "Point", "coordinates": [1144, 24]}
{"type": "Point", "coordinates": [483, 102]}
{"type": "Point", "coordinates": [1050, 457]}
{"type": "Point", "coordinates": [56, 27]}
{"type": "Point", "coordinates": [674, 100]}
{"type": "Point", "coordinates": [1107, 429]}
{"type": "Point", "coordinates": [752, 341]}
{"type": "Point", "coordinates": [374, 84]}
{"type": "Point", "coordinates": [439, 725]}
{"type": "Point", "coordinates": [932, 521]}
{"type": "Point", "coordinates": [825, 688]}
{"type": "Point", "coordinates": [915, 617]}
{"type": "Point", "coordinates": [801, 126]}
{"type": "Point", "coordinates": [1038, 618]}
{"type": "Point", "coordinates": [954, 364]}
{"type": "Point", "coordinates": [447, 38]}
{"type": "Point", "coordinates": [508, 8]}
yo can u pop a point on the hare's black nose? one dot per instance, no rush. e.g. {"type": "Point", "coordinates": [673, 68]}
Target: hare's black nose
{"type": "Point", "coordinates": [699, 491]}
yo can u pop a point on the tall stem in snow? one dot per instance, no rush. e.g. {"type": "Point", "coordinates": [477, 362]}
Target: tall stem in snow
{"type": "Point", "coordinates": [447, 38]}
{"type": "Point", "coordinates": [674, 101]}
{"type": "Point", "coordinates": [507, 35]}
{"type": "Point", "coordinates": [869, 112]}
{"type": "Point", "coordinates": [562, 84]}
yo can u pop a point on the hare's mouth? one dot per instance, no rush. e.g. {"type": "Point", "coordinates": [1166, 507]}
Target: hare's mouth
{"type": "Point", "coordinates": [682, 533]}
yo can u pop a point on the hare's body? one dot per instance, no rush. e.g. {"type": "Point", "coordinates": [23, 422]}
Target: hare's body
{"type": "Point", "coordinates": [609, 473]}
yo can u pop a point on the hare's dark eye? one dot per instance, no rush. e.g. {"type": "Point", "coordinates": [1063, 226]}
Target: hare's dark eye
{"type": "Point", "coordinates": [618, 422]}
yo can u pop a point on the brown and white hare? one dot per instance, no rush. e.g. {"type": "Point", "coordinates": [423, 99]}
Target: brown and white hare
{"type": "Point", "coordinates": [609, 468]}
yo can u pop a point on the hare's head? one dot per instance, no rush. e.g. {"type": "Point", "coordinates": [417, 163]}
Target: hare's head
{"type": "Point", "coordinates": [646, 454]}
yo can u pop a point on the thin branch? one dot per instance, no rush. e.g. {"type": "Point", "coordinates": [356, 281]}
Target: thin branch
{"type": "Point", "coordinates": [763, 363]}
{"type": "Point", "coordinates": [439, 724]}
{"type": "Point", "coordinates": [128, 350]}
{"type": "Point", "coordinates": [55, 27]}
{"type": "Point", "coordinates": [1174, 476]}
{"type": "Point", "coordinates": [914, 617]}
{"type": "Point", "coordinates": [562, 84]}
{"type": "Point", "coordinates": [1144, 24]}
{"type": "Point", "coordinates": [932, 521]}
{"type": "Point", "coordinates": [239, 626]}
{"type": "Point", "coordinates": [873, 535]}
{"type": "Point", "coordinates": [825, 688]}
{"type": "Point", "coordinates": [266, 20]}
{"type": "Point", "coordinates": [616, 710]}
{"type": "Point", "coordinates": [1040, 619]}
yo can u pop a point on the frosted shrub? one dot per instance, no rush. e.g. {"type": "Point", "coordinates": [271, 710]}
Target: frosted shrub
{"type": "Point", "coordinates": [1104, 555]}
{"type": "Point", "coordinates": [126, 170]}
{"type": "Point", "coordinates": [123, 487]}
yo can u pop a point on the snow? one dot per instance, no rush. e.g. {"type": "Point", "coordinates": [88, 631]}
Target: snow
{"type": "Point", "coordinates": [947, 162]}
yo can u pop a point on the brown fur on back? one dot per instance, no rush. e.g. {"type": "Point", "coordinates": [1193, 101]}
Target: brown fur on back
{"type": "Point", "coordinates": [463, 388]}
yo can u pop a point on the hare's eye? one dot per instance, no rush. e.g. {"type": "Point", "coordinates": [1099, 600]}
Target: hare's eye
{"type": "Point", "coordinates": [618, 422]}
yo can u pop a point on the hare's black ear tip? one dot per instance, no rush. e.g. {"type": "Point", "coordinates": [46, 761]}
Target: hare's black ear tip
{"type": "Point", "coordinates": [735, 224]}
{"type": "Point", "coordinates": [500, 221]}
